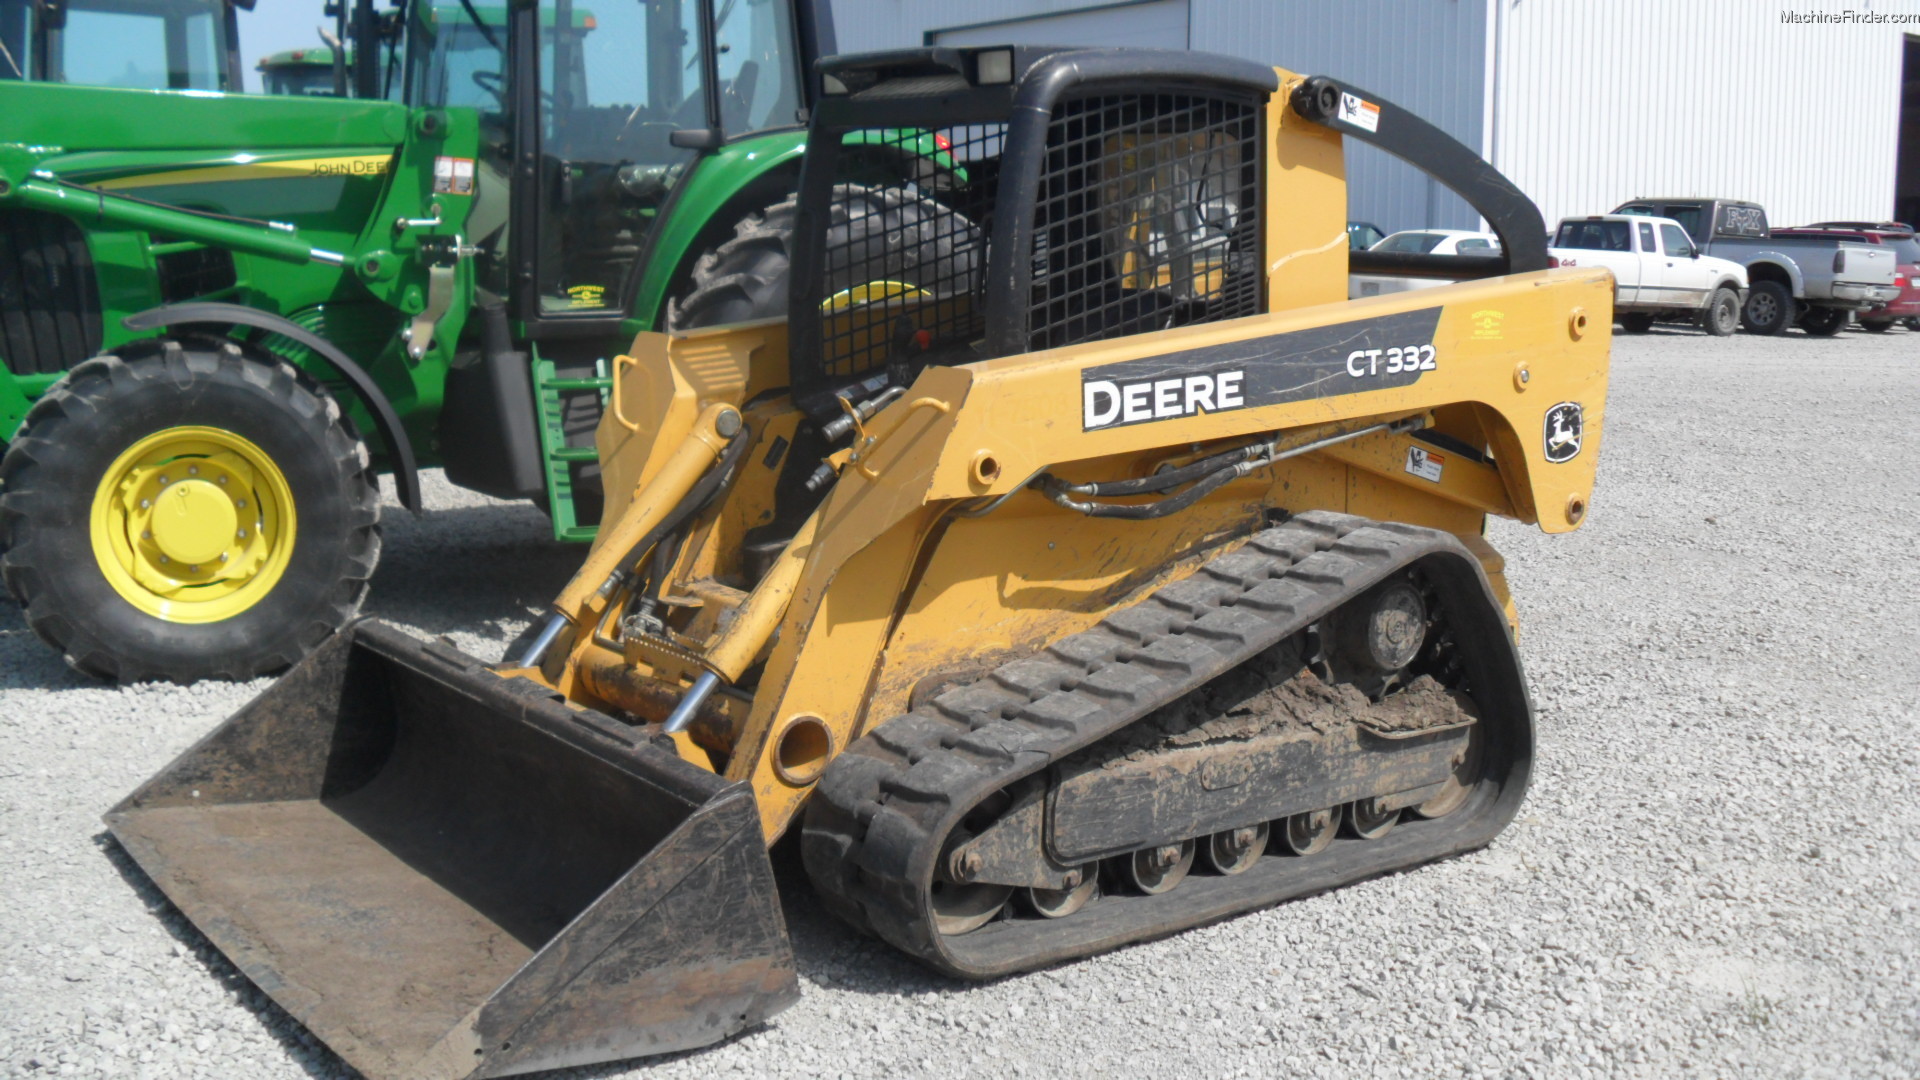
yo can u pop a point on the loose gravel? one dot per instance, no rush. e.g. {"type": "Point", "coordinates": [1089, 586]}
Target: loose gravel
{"type": "Point", "coordinates": [1714, 874]}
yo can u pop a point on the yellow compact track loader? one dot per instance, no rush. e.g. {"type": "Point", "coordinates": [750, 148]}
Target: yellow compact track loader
{"type": "Point", "coordinates": [1075, 565]}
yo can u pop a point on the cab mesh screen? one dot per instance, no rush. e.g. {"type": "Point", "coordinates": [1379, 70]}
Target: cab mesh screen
{"type": "Point", "coordinates": [906, 256]}
{"type": "Point", "coordinates": [1148, 217]}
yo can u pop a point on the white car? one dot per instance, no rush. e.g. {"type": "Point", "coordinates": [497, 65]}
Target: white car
{"type": "Point", "coordinates": [1420, 242]}
{"type": "Point", "coordinates": [1658, 271]}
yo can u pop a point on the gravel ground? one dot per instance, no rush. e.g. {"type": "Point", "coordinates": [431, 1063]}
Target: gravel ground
{"type": "Point", "coordinates": [1714, 874]}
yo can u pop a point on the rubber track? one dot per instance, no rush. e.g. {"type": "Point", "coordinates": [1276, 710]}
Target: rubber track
{"type": "Point", "coordinates": [878, 823]}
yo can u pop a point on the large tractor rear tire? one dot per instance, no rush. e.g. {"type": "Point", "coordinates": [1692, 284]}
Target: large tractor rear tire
{"type": "Point", "coordinates": [188, 509]}
{"type": "Point", "coordinates": [877, 235]}
{"type": "Point", "coordinates": [743, 279]}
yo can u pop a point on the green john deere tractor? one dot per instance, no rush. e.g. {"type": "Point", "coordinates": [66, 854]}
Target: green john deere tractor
{"type": "Point", "coordinates": [223, 315]}
{"type": "Point", "coordinates": [307, 72]}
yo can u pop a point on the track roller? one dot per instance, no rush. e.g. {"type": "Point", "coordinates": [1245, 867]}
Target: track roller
{"type": "Point", "coordinates": [960, 908]}
{"type": "Point", "coordinates": [1368, 819]}
{"type": "Point", "coordinates": [1155, 870]}
{"type": "Point", "coordinates": [1234, 851]}
{"type": "Point", "coordinates": [1310, 832]}
{"type": "Point", "coordinates": [1060, 903]}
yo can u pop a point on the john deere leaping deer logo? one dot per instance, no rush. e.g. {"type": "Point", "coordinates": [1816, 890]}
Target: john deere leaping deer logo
{"type": "Point", "coordinates": [1562, 432]}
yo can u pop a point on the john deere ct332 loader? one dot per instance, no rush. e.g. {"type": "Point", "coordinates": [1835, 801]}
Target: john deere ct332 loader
{"type": "Point", "coordinates": [1074, 566]}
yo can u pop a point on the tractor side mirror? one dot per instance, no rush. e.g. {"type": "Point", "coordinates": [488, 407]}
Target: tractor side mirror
{"type": "Point", "coordinates": [698, 138]}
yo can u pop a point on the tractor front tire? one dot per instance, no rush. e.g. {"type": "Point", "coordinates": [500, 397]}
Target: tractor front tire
{"type": "Point", "coordinates": [187, 509]}
{"type": "Point", "coordinates": [1636, 322]}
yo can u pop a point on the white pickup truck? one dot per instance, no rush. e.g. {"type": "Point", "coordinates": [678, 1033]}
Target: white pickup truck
{"type": "Point", "coordinates": [1658, 273]}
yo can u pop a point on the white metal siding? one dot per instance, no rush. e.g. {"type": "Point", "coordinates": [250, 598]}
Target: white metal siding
{"type": "Point", "coordinates": [1427, 56]}
{"type": "Point", "coordinates": [862, 25]}
{"type": "Point", "coordinates": [1605, 102]}
{"type": "Point", "coordinates": [1598, 102]}
{"type": "Point", "coordinates": [1158, 25]}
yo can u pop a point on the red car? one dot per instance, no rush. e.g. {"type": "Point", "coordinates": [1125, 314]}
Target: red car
{"type": "Point", "coordinates": [1900, 237]}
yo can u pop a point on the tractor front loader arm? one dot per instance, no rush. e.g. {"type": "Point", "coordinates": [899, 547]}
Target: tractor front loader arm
{"type": "Point", "coordinates": [23, 184]}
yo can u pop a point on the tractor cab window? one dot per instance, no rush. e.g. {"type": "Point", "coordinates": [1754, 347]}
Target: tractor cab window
{"type": "Point", "coordinates": [130, 44]}
{"type": "Point", "coordinates": [759, 86]}
{"type": "Point", "coordinates": [623, 77]}
{"type": "Point", "coordinates": [455, 61]}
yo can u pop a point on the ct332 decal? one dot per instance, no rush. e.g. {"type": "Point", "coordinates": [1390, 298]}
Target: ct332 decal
{"type": "Point", "coordinates": [1387, 351]}
{"type": "Point", "coordinates": [1362, 363]}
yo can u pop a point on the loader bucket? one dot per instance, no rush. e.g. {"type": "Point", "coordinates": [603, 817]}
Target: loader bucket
{"type": "Point", "coordinates": [442, 872]}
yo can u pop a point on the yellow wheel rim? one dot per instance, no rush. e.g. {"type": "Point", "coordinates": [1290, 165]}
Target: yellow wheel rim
{"type": "Point", "coordinates": [193, 524]}
{"type": "Point", "coordinates": [872, 292]}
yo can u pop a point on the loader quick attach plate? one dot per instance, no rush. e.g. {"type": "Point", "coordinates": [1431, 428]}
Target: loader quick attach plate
{"type": "Point", "coordinates": [442, 872]}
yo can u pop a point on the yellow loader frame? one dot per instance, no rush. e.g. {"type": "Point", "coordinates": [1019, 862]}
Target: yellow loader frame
{"type": "Point", "coordinates": [931, 525]}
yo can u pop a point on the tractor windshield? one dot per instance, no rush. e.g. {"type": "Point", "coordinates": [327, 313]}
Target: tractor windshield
{"type": "Point", "coordinates": [628, 102]}
{"type": "Point", "coordinates": [132, 44]}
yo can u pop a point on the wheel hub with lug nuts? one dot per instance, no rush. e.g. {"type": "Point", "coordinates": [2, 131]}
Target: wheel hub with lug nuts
{"type": "Point", "coordinates": [193, 524]}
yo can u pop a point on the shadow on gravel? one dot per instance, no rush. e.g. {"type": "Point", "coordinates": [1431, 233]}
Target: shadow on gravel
{"type": "Point", "coordinates": [26, 662]}
{"type": "Point", "coordinates": [829, 955]}
{"type": "Point", "coordinates": [482, 570]}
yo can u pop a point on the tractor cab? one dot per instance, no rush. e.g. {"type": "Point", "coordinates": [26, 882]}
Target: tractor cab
{"type": "Point", "coordinates": [605, 109]}
{"type": "Point", "coordinates": [301, 72]}
{"type": "Point", "coordinates": [132, 44]}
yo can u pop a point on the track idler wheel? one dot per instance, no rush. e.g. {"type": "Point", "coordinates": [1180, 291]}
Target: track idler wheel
{"type": "Point", "coordinates": [1310, 832]}
{"type": "Point", "coordinates": [1234, 851]}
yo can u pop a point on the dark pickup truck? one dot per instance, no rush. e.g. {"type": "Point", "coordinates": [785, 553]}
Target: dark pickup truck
{"type": "Point", "coordinates": [1814, 282]}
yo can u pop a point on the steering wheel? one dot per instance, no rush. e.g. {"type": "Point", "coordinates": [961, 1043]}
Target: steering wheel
{"type": "Point", "coordinates": [493, 83]}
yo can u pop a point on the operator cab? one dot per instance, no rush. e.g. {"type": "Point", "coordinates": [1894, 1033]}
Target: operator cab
{"type": "Point", "coordinates": [629, 94]}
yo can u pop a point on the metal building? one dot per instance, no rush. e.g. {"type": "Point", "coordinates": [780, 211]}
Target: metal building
{"type": "Point", "coordinates": [1810, 107]}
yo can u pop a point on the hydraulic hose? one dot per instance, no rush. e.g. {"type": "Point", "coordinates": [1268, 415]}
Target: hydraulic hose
{"type": "Point", "coordinates": [694, 501]}
{"type": "Point", "coordinates": [1207, 475]}
{"type": "Point", "coordinates": [1169, 478]}
{"type": "Point", "coordinates": [1173, 504]}
{"type": "Point", "coordinates": [697, 496]}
